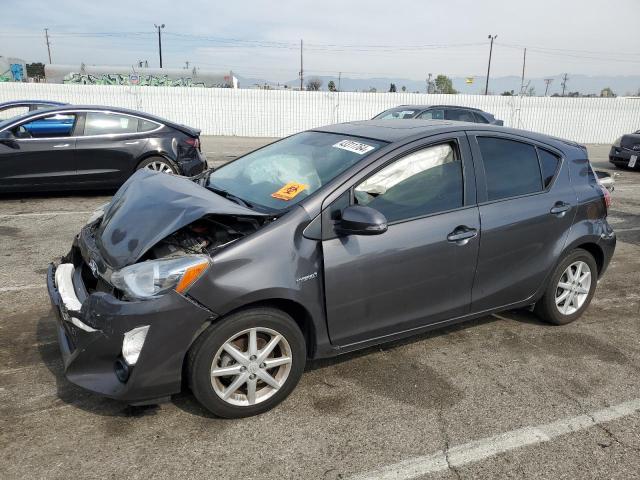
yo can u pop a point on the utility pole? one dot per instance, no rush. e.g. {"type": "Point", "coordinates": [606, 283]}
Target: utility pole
{"type": "Point", "coordinates": [524, 62]}
{"type": "Point", "coordinates": [339, 80]}
{"type": "Point", "coordinates": [492, 38]}
{"type": "Point", "coordinates": [46, 36]}
{"type": "Point", "coordinates": [565, 77]}
{"type": "Point", "coordinates": [301, 69]}
{"type": "Point", "coordinates": [548, 82]}
{"type": "Point", "coordinates": [159, 41]}
{"type": "Point", "coordinates": [429, 89]}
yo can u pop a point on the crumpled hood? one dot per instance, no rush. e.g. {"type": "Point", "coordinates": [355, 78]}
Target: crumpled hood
{"type": "Point", "coordinates": [149, 207]}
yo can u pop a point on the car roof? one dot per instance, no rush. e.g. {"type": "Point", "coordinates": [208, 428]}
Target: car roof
{"type": "Point", "coordinates": [17, 103]}
{"type": "Point", "coordinates": [403, 131]}
{"type": "Point", "coordinates": [422, 107]}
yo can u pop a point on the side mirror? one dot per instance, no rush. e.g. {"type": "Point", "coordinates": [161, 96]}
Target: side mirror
{"type": "Point", "coordinates": [361, 220]}
{"type": "Point", "coordinates": [6, 135]}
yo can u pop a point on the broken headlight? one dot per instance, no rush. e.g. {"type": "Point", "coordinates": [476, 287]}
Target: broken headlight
{"type": "Point", "coordinates": [154, 277]}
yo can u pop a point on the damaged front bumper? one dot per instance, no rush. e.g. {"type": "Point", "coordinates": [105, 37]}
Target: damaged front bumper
{"type": "Point", "coordinates": [91, 328]}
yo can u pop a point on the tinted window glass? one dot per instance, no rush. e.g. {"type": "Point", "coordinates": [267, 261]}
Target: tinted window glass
{"type": "Point", "coordinates": [395, 114]}
{"type": "Point", "coordinates": [424, 182]}
{"type": "Point", "coordinates": [98, 123]}
{"type": "Point", "coordinates": [53, 126]}
{"type": "Point", "coordinates": [146, 125]}
{"type": "Point", "coordinates": [549, 163]}
{"type": "Point", "coordinates": [479, 118]}
{"type": "Point", "coordinates": [432, 115]}
{"type": "Point", "coordinates": [459, 115]}
{"type": "Point", "coordinates": [511, 167]}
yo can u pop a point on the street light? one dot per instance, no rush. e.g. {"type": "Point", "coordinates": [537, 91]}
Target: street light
{"type": "Point", "coordinates": [492, 38]}
{"type": "Point", "coordinates": [159, 41]}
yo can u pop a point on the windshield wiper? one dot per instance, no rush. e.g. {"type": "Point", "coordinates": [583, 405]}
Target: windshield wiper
{"type": "Point", "coordinates": [231, 197]}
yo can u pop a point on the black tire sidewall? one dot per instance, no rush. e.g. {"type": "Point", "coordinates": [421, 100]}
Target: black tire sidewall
{"type": "Point", "coordinates": [551, 312]}
{"type": "Point", "coordinates": [204, 349]}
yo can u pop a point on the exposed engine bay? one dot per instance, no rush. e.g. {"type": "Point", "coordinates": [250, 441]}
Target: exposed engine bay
{"type": "Point", "coordinates": [206, 235]}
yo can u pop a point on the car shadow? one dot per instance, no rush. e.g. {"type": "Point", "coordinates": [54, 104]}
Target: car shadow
{"type": "Point", "coordinates": [185, 401]}
{"type": "Point", "coordinates": [56, 194]}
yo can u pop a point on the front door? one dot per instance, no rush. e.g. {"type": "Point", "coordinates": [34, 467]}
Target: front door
{"type": "Point", "coordinates": [41, 152]}
{"type": "Point", "coordinates": [421, 269]}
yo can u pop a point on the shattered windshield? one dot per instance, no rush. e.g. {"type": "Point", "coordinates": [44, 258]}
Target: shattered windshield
{"type": "Point", "coordinates": [281, 174]}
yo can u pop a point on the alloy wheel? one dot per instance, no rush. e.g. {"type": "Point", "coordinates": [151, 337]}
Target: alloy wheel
{"type": "Point", "coordinates": [159, 166]}
{"type": "Point", "coordinates": [251, 366]}
{"type": "Point", "coordinates": [573, 288]}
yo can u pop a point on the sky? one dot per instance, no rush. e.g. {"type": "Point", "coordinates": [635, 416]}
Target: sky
{"type": "Point", "coordinates": [373, 38]}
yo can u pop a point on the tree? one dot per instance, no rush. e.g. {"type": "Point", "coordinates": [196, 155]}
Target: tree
{"type": "Point", "coordinates": [607, 92]}
{"type": "Point", "coordinates": [373, 89]}
{"type": "Point", "coordinates": [404, 89]}
{"type": "Point", "coordinates": [531, 92]}
{"type": "Point", "coordinates": [332, 86]}
{"type": "Point", "coordinates": [35, 70]}
{"type": "Point", "coordinates": [507, 93]}
{"type": "Point", "coordinates": [444, 85]}
{"type": "Point", "coordinates": [314, 84]}
{"type": "Point", "coordinates": [392, 88]}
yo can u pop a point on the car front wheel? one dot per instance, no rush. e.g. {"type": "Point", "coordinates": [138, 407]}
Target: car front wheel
{"type": "Point", "coordinates": [570, 290]}
{"type": "Point", "coordinates": [247, 363]}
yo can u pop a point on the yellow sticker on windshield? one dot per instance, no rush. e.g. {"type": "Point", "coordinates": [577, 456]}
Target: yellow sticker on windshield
{"type": "Point", "coordinates": [289, 191]}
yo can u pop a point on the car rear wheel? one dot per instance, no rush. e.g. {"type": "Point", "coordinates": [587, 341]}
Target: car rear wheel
{"type": "Point", "coordinates": [570, 290]}
{"type": "Point", "coordinates": [158, 164]}
{"type": "Point", "coordinates": [247, 363]}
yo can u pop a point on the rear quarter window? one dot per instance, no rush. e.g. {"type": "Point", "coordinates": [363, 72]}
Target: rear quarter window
{"type": "Point", "coordinates": [549, 164]}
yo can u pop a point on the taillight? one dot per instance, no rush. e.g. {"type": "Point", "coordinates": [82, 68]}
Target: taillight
{"type": "Point", "coordinates": [194, 142]}
{"type": "Point", "coordinates": [607, 198]}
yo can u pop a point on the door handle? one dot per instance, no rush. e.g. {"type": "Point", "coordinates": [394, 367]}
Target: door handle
{"type": "Point", "coordinates": [462, 234]}
{"type": "Point", "coordinates": [560, 208]}
{"type": "Point", "coordinates": [61, 145]}
{"type": "Point", "coordinates": [132, 143]}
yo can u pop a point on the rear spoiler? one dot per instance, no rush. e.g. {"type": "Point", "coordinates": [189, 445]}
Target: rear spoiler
{"type": "Point", "coordinates": [193, 132]}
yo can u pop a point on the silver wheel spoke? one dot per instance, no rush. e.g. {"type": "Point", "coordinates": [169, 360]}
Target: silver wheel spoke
{"type": "Point", "coordinates": [236, 354]}
{"type": "Point", "coordinates": [564, 286]}
{"type": "Point", "coordinates": [268, 348]}
{"type": "Point", "coordinates": [276, 362]}
{"type": "Point", "coordinates": [251, 390]}
{"type": "Point", "coordinates": [581, 290]}
{"type": "Point", "coordinates": [222, 371]}
{"type": "Point", "coordinates": [253, 342]}
{"type": "Point", "coordinates": [235, 385]}
{"type": "Point", "coordinates": [268, 379]}
{"type": "Point", "coordinates": [584, 277]}
{"type": "Point", "coordinates": [562, 297]}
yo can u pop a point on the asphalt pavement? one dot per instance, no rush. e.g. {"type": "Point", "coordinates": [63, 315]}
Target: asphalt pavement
{"type": "Point", "coordinates": [502, 396]}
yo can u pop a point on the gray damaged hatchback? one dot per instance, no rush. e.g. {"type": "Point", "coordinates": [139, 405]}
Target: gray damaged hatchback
{"type": "Point", "coordinates": [325, 242]}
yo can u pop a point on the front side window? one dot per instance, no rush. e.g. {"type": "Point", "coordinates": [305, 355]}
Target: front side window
{"type": "Point", "coordinates": [283, 173]}
{"type": "Point", "coordinates": [51, 126]}
{"type": "Point", "coordinates": [511, 167]}
{"type": "Point", "coordinates": [432, 115]}
{"type": "Point", "coordinates": [422, 183]}
{"type": "Point", "coordinates": [102, 123]}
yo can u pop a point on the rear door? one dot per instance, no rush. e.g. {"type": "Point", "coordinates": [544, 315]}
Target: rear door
{"type": "Point", "coordinates": [527, 205]}
{"type": "Point", "coordinates": [109, 146]}
{"type": "Point", "coordinates": [421, 270]}
{"type": "Point", "coordinates": [42, 152]}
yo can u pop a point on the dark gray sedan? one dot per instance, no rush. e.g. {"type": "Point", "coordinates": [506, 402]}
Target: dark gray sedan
{"type": "Point", "coordinates": [325, 242]}
{"type": "Point", "coordinates": [625, 151]}
{"type": "Point", "coordinates": [439, 112]}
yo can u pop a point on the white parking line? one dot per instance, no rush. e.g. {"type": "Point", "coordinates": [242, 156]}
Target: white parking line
{"type": "Point", "coordinates": [17, 288]}
{"type": "Point", "coordinates": [478, 450]}
{"type": "Point", "coordinates": [44, 214]}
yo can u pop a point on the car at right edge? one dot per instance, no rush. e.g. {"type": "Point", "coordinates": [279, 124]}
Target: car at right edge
{"type": "Point", "coordinates": [625, 151]}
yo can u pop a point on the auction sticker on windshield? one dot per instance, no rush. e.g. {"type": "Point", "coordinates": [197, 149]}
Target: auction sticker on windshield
{"type": "Point", "coordinates": [289, 191]}
{"type": "Point", "coordinates": [355, 147]}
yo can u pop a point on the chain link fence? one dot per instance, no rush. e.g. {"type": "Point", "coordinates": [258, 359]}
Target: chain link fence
{"type": "Point", "coordinates": [277, 113]}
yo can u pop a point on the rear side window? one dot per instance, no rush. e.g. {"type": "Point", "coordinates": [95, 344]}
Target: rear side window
{"type": "Point", "coordinates": [511, 168]}
{"type": "Point", "coordinates": [459, 115]}
{"type": "Point", "coordinates": [422, 183]}
{"type": "Point", "coordinates": [12, 112]}
{"type": "Point", "coordinates": [98, 123]}
{"type": "Point", "coordinates": [432, 115]}
{"type": "Point", "coordinates": [549, 164]}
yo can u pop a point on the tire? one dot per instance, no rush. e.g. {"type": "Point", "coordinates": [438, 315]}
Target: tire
{"type": "Point", "coordinates": [158, 164]}
{"type": "Point", "coordinates": [552, 308]}
{"type": "Point", "coordinates": [210, 350]}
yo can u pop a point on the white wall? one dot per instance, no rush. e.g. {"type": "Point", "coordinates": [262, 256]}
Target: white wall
{"type": "Point", "coordinates": [276, 113]}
